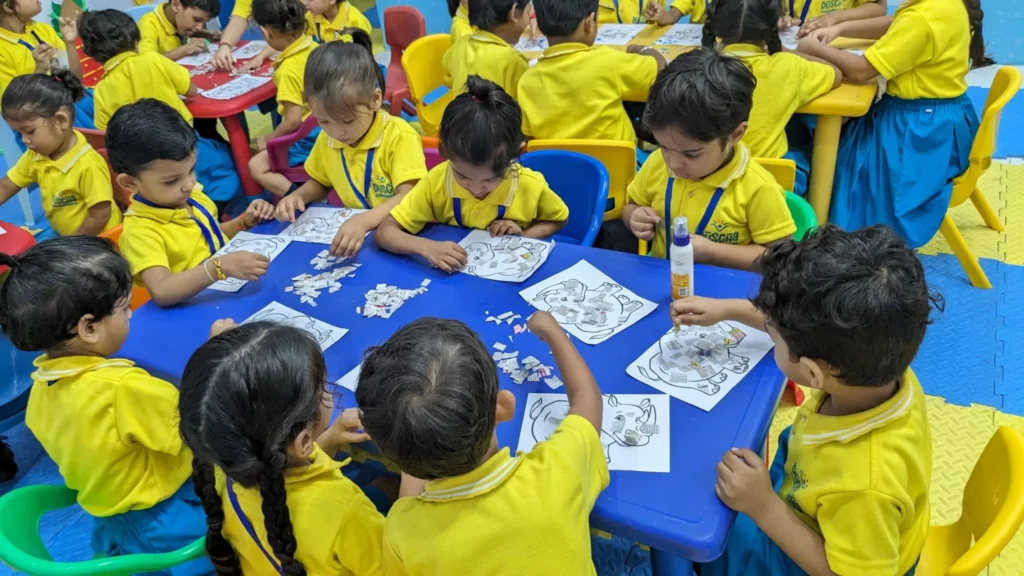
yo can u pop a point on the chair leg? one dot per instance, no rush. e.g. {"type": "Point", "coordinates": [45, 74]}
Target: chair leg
{"type": "Point", "coordinates": [987, 213]}
{"type": "Point", "coordinates": [963, 253]}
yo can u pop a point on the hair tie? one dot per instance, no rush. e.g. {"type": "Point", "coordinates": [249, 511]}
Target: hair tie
{"type": "Point", "coordinates": [475, 99]}
{"type": "Point", "coordinates": [347, 38]}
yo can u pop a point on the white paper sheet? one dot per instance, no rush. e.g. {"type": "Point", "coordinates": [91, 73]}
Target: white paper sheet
{"type": "Point", "coordinates": [318, 225]}
{"type": "Point", "coordinates": [682, 35]}
{"type": "Point", "coordinates": [323, 332]}
{"type": "Point", "coordinates": [635, 428]}
{"type": "Point", "coordinates": [195, 59]}
{"type": "Point", "coordinates": [269, 246]}
{"type": "Point", "coordinates": [351, 380]}
{"type": "Point", "coordinates": [527, 44]}
{"type": "Point", "coordinates": [617, 34]}
{"type": "Point", "coordinates": [506, 259]}
{"type": "Point", "coordinates": [789, 38]}
{"type": "Point", "coordinates": [587, 303]}
{"type": "Point", "coordinates": [700, 365]}
{"type": "Point", "coordinates": [236, 87]}
{"type": "Point", "coordinates": [250, 50]}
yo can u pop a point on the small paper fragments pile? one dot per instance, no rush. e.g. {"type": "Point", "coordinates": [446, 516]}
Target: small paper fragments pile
{"type": "Point", "coordinates": [308, 286]}
{"type": "Point", "coordinates": [324, 260]}
{"type": "Point", "coordinates": [384, 300]}
{"type": "Point", "coordinates": [531, 369]}
{"type": "Point", "coordinates": [507, 317]}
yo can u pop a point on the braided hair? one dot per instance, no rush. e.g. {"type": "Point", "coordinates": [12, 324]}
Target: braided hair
{"type": "Point", "coordinates": [744, 21]}
{"type": "Point", "coordinates": [975, 15]}
{"type": "Point", "coordinates": [221, 554]}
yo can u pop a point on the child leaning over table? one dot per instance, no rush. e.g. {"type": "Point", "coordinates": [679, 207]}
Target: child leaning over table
{"type": "Point", "coordinates": [177, 28]}
{"type": "Point", "coordinates": [430, 399]}
{"type": "Point", "coordinates": [490, 53]}
{"type": "Point", "coordinates": [847, 492]}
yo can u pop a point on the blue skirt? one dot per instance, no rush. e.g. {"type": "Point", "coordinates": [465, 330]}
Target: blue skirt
{"type": "Point", "coordinates": [802, 157]}
{"type": "Point", "coordinates": [215, 170]}
{"type": "Point", "coordinates": [85, 111]}
{"type": "Point", "coordinates": [299, 151]}
{"type": "Point", "coordinates": [896, 165]}
{"type": "Point", "coordinates": [168, 526]}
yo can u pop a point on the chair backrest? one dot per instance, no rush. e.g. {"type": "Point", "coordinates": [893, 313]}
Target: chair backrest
{"type": "Point", "coordinates": [96, 138]}
{"type": "Point", "coordinates": [1004, 86]}
{"type": "Point", "coordinates": [433, 157]}
{"type": "Point", "coordinates": [422, 62]}
{"type": "Point", "coordinates": [782, 169]}
{"type": "Point", "coordinates": [618, 158]}
{"type": "Point", "coordinates": [277, 151]}
{"type": "Point", "coordinates": [803, 215]}
{"type": "Point", "coordinates": [403, 25]}
{"type": "Point", "coordinates": [137, 12]}
{"type": "Point", "coordinates": [122, 196]}
{"type": "Point", "coordinates": [582, 183]}
{"type": "Point", "coordinates": [139, 295]}
{"type": "Point", "coordinates": [430, 141]}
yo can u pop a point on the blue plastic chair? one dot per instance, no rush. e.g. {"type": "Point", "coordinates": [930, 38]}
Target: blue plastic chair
{"type": "Point", "coordinates": [582, 183]}
{"type": "Point", "coordinates": [137, 12]}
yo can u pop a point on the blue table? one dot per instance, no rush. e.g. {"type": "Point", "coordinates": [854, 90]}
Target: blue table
{"type": "Point", "coordinates": [676, 514]}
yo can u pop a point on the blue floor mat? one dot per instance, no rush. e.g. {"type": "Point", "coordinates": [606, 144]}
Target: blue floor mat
{"type": "Point", "coordinates": [1009, 335]}
{"type": "Point", "coordinates": [1011, 126]}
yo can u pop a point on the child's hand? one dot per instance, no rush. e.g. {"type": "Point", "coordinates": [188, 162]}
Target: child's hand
{"type": "Point", "coordinates": [743, 483]}
{"type": "Point", "coordinates": [260, 210]}
{"type": "Point", "coordinates": [254, 63]}
{"type": "Point", "coordinates": [69, 31]}
{"type": "Point", "coordinates": [544, 326]}
{"type": "Point", "coordinates": [349, 238]}
{"type": "Point", "coordinates": [504, 228]}
{"type": "Point", "coordinates": [261, 143]}
{"type": "Point", "coordinates": [347, 428]}
{"type": "Point", "coordinates": [653, 11]}
{"type": "Point", "coordinates": [817, 38]}
{"type": "Point", "coordinates": [702, 248]}
{"type": "Point", "coordinates": [817, 23]}
{"type": "Point", "coordinates": [244, 265]}
{"type": "Point", "coordinates": [642, 222]}
{"type": "Point", "coordinates": [447, 256]}
{"type": "Point", "coordinates": [222, 58]}
{"type": "Point", "coordinates": [221, 326]}
{"type": "Point", "coordinates": [288, 206]}
{"type": "Point", "coordinates": [787, 22]}
{"type": "Point", "coordinates": [697, 311]}
{"type": "Point", "coordinates": [44, 55]}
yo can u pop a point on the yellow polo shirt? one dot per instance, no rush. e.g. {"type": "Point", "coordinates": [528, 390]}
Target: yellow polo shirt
{"type": "Point", "coordinates": [131, 76]}
{"type": "Point", "coordinates": [925, 53]}
{"type": "Point", "coordinates": [524, 194]}
{"type": "Point", "coordinates": [488, 56]}
{"type": "Point", "coordinates": [111, 428]}
{"type": "Point", "coordinates": [862, 481]}
{"type": "Point", "coordinates": [522, 514]}
{"type": "Point", "coordinates": [632, 11]}
{"type": "Point", "coordinates": [70, 185]}
{"type": "Point", "coordinates": [289, 72]}
{"type": "Point", "coordinates": [158, 33]}
{"type": "Point", "coordinates": [168, 237]}
{"type": "Point", "coordinates": [820, 7]}
{"type": "Point", "coordinates": [697, 9]}
{"type": "Point", "coordinates": [397, 159]}
{"type": "Point", "coordinates": [242, 9]}
{"type": "Point", "coordinates": [16, 50]}
{"type": "Point", "coordinates": [785, 83]}
{"type": "Point", "coordinates": [460, 24]}
{"type": "Point", "coordinates": [348, 17]}
{"type": "Point", "coordinates": [337, 529]}
{"type": "Point", "coordinates": [752, 209]}
{"type": "Point", "coordinates": [575, 91]}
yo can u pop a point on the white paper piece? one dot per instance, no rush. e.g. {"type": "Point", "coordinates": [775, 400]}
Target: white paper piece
{"type": "Point", "coordinates": [682, 35]}
{"type": "Point", "coordinates": [2, 231]}
{"type": "Point", "coordinates": [195, 59]}
{"type": "Point", "coordinates": [507, 259]}
{"type": "Point", "coordinates": [350, 381]}
{"type": "Point", "coordinates": [789, 37]}
{"type": "Point", "coordinates": [617, 34]}
{"type": "Point", "coordinates": [527, 44]}
{"type": "Point", "coordinates": [856, 51]}
{"type": "Point", "coordinates": [308, 287]}
{"type": "Point", "coordinates": [701, 364]}
{"type": "Point", "coordinates": [635, 428]}
{"type": "Point", "coordinates": [269, 246]}
{"type": "Point", "coordinates": [318, 224]}
{"type": "Point", "coordinates": [237, 87]}
{"type": "Point", "coordinates": [250, 50]}
{"type": "Point", "coordinates": [587, 303]}
{"type": "Point", "coordinates": [323, 332]}
{"type": "Point", "coordinates": [384, 300]}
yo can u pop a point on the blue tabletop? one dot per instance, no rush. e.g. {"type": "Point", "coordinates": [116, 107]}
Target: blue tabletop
{"type": "Point", "coordinates": [676, 512]}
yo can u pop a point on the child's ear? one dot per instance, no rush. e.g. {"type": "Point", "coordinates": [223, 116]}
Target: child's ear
{"type": "Point", "coordinates": [266, 33]}
{"type": "Point", "coordinates": [377, 100]}
{"type": "Point", "coordinates": [590, 24]}
{"type": "Point", "coordinates": [738, 133]}
{"type": "Point", "coordinates": [176, 5]}
{"type": "Point", "coordinates": [302, 447]}
{"type": "Point", "coordinates": [86, 329]}
{"type": "Point", "coordinates": [506, 408]}
{"type": "Point", "coordinates": [814, 372]}
{"type": "Point", "coordinates": [62, 120]}
{"type": "Point", "coordinates": [128, 182]}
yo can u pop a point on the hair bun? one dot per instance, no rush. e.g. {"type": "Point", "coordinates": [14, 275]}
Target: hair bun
{"type": "Point", "coordinates": [483, 90]}
{"type": "Point", "coordinates": [71, 82]}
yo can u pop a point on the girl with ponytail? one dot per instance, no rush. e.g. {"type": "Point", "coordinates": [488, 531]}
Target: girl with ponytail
{"type": "Point", "coordinates": [255, 410]}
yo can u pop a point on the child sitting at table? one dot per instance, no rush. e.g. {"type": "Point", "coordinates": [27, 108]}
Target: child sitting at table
{"type": "Point", "coordinates": [811, 15]}
{"type": "Point", "coordinates": [847, 492]}
{"type": "Point", "coordinates": [698, 112]}
{"type": "Point", "coordinates": [459, 11]}
{"type": "Point", "coordinates": [255, 411]}
{"type": "Point", "coordinates": [576, 90]}
{"type": "Point", "coordinates": [674, 10]}
{"type": "Point", "coordinates": [480, 186]}
{"type": "Point", "coordinates": [167, 27]}
{"type": "Point", "coordinates": [112, 38]}
{"type": "Point", "coordinates": [430, 400]}
{"type": "Point", "coordinates": [73, 179]}
{"type": "Point", "coordinates": [330, 18]}
{"type": "Point", "coordinates": [171, 230]}
{"type": "Point", "coordinates": [786, 81]}
{"type": "Point", "coordinates": [110, 427]}
{"type": "Point", "coordinates": [490, 53]}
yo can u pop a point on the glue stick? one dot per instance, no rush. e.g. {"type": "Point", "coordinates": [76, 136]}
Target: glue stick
{"type": "Point", "coordinates": [681, 258]}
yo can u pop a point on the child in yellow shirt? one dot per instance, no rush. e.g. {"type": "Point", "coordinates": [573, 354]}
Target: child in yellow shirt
{"type": "Point", "coordinates": [330, 19]}
{"type": "Point", "coordinates": [459, 11]}
{"type": "Point", "coordinates": [255, 411]}
{"type": "Point", "coordinates": [674, 10]}
{"type": "Point", "coordinates": [847, 492]}
{"type": "Point", "coordinates": [110, 427]}
{"type": "Point", "coordinates": [480, 186]}
{"type": "Point", "coordinates": [811, 15]}
{"type": "Point", "coordinates": [429, 398]}
{"type": "Point", "coordinates": [489, 52]}
{"type": "Point", "coordinates": [698, 112]}
{"type": "Point", "coordinates": [171, 230]}
{"type": "Point", "coordinates": [73, 179]}
{"type": "Point", "coordinates": [177, 28]}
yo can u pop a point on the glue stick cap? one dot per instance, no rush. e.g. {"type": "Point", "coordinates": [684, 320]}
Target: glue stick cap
{"type": "Point", "coordinates": [680, 232]}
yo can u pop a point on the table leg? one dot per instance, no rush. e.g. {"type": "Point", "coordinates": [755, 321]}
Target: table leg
{"type": "Point", "coordinates": [665, 564]}
{"type": "Point", "coordinates": [238, 139]}
{"type": "Point", "coordinates": [823, 164]}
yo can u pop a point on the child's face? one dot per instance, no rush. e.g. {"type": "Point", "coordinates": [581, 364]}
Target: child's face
{"type": "Point", "coordinates": [26, 8]}
{"type": "Point", "coordinates": [478, 180]}
{"type": "Point", "coordinates": [164, 182]}
{"type": "Point", "coordinates": [318, 7]}
{"type": "Point", "coordinates": [43, 136]}
{"type": "Point", "coordinates": [188, 21]}
{"type": "Point", "coordinates": [692, 159]}
{"type": "Point", "coordinates": [351, 128]}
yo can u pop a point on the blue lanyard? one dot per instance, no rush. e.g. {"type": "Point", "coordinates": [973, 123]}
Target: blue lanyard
{"type": "Point", "coordinates": [248, 526]}
{"type": "Point", "coordinates": [708, 213]}
{"type": "Point", "coordinates": [619, 18]}
{"type": "Point", "coordinates": [319, 38]}
{"type": "Point", "coordinates": [803, 13]}
{"type": "Point", "coordinates": [208, 233]}
{"type": "Point", "coordinates": [364, 196]}
{"type": "Point", "coordinates": [29, 46]}
{"type": "Point", "coordinates": [457, 210]}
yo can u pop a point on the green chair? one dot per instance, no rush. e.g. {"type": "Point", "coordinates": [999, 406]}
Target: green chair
{"type": "Point", "coordinates": [23, 550]}
{"type": "Point", "coordinates": [802, 213]}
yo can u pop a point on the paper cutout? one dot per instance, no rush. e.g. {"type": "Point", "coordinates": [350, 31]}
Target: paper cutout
{"type": "Point", "coordinates": [789, 37]}
{"type": "Point", "coordinates": [318, 225]}
{"type": "Point", "coordinates": [351, 380]}
{"type": "Point", "coordinates": [235, 88]}
{"type": "Point", "coordinates": [682, 35]}
{"type": "Point", "coordinates": [701, 364]}
{"type": "Point", "coordinates": [617, 34]}
{"type": "Point", "coordinates": [269, 246]}
{"type": "Point", "coordinates": [507, 259]}
{"type": "Point", "coordinates": [324, 333]}
{"type": "Point", "coordinates": [248, 51]}
{"type": "Point", "coordinates": [527, 44]}
{"type": "Point", "coordinates": [308, 287]}
{"type": "Point", "coordinates": [384, 300]}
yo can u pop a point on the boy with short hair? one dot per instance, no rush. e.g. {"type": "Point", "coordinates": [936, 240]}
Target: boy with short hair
{"type": "Point", "coordinates": [698, 112]}
{"type": "Point", "coordinates": [489, 52]}
{"type": "Point", "coordinates": [576, 90]}
{"type": "Point", "coordinates": [167, 27]}
{"type": "Point", "coordinates": [847, 493]}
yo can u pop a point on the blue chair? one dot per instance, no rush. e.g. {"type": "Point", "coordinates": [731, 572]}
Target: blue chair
{"type": "Point", "coordinates": [137, 12]}
{"type": "Point", "coordinates": [582, 183]}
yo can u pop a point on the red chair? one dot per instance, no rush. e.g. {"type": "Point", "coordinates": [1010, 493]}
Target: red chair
{"type": "Point", "coordinates": [14, 241]}
{"type": "Point", "coordinates": [402, 26]}
{"type": "Point", "coordinates": [96, 138]}
{"type": "Point", "coordinates": [433, 157]}
{"type": "Point", "coordinates": [277, 150]}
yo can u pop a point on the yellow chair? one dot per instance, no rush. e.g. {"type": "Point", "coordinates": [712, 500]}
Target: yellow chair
{"type": "Point", "coordinates": [424, 70]}
{"type": "Point", "coordinates": [139, 295]}
{"type": "Point", "coordinates": [619, 158]}
{"type": "Point", "coordinates": [1005, 85]}
{"type": "Point", "coordinates": [993, 510]}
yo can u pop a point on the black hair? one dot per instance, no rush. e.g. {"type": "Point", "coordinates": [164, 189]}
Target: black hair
{"type": "Point", "coordinates": [482, 126]}
{"type": "Point", "coordinates": [284, 16]}
{"type": "Point", "coordinates": [107, 33]}
{"type": "Point", "coordinates": [245, 396]}
{"type": "Point", "coordinates": [487, 14]}
{"type": "Point", "coordinates": [149, 130]}
{"type": "Point", "coordinates": [703, 93]}
{"type": "Point", "coordinates": [975, 15]}
{"type": "Point", "coordinates": [41, 96]}
{"type": "Point", "coordinates": [453, 7]}
{"type": "Point", "coordinates": [211, 7]}
{"type": "Point", "coordinates": [53, 284]}
{"type": "Point", "coordinates": [560, 18]}
{"type": "Point", "coordinates": [428, 398]}
{"type": "Point", "coordinates": [341, 76]}
{"type": "Point", "coordinates": [857, 301]}
{"type": "Point", "coordinates": [743, 21]}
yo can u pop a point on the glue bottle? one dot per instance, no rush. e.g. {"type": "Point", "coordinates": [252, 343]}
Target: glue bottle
{"type": "Point", "coordinates": [681, 258]}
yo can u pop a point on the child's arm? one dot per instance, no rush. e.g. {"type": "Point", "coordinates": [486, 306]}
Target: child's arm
{"type": "Point", "coordinates": [350, 236]}
{"type": "Point", "coordinates": [291, 120]}
{"type": "Point", "coordinates": [192, 91]}
{"type": "Point", "coordinates": [69, 32]}
{"type": "Point", "coordinates": [862, 12]}
{"type": "Point", "coordinates": [868, 29]}
{"type": "Point", "coordinates": [346, 429]}
{"type": "Point", "coordinates": [584, 396]}
{"type": "Point", "coordinates": [657, 14]}
{"type": "Point", "coordinates": [838, 73]}
{"type": "Point", "coordinates": [7, 189]}
{"type": "Point", "coordinates": [725, 255]}
{"type": "Point", "coordinates": [99, 215]}
{"type": "Point", "coordinates": [168, 289]}
{"type": "Point", "coordinates": [259, 59]}
{"type": "Point", "coordinates": [194, 46]}
{"type": "Point", "coordinates": [248, 219]}
{"type": "Point", "coordinates": [447, 256]}
{"type": "Point", "coordinates": [647, 51]}
{"type": "Point", "coordinates": [543, 229]}
{"type": "Point", "coordinates": [854, 67]}
{"type": "Point", "coordinates": [701, 311]}
{"type": "Point", "coordinates": [311, 191]}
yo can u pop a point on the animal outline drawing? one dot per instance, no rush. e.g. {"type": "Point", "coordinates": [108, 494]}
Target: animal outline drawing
{"type": "Point", "coordinates": [600, 311]}
{"type": "Point", "coordinates": [697, 357]}
{"type": "Point", "coordinates": [266, 246]}
{"type": "Point", "coordinates": [318, 229]}
{"type": "Point", "coordinates": [512, 257]}
{"type": "Point", "coordinates": [301, 321]}
{"type": "Point", "coordinates": [623, 425]}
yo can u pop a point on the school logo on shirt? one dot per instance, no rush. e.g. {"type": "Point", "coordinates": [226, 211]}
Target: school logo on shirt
{"type": "Point", "coordinates": [718, 231]}
{"type": "Point", "coordinates": [64, 199]}
{"type": "Point", "coordinates": [799, 481]}
{"type": "Point", "coordinates": [831, 5]}
{"type": "Point", "coordinates": [382, 187]}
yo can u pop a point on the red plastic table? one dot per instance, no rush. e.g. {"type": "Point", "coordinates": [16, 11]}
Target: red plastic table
{"type": "Point", "coordinates": [14, 241]}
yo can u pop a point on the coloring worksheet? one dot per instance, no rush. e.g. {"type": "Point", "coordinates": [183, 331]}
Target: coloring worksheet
{"type": "Point", "coordinates": [635, 428]}
{"type": "Point", "coordinates": [250, 50]}
{"type": "Point", "coordinates": [269, 246]}
{"type": "Point", "coordinates": [508, 258]}
{"type": "Point", "coordinates": [527, 44]}
{"type": "Point", "coordinates": [617, 34]}
{"type": "Point", "coordinates": [236, 87]}
{"type": "Point", "coordinates": [789, 38]}
{"type": "Point", "coordinates": [587, 303]}
{"type": "Point", "coordinates": [701, 364]}
{"type": "Point", "coordinates": [323, 332]}
{"type": "Point", "coordinates": [682, 35]}
{"type": "Point", "coordinates": [195, 59]}
{"type": "Point", "coordinates": [318, 224]}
